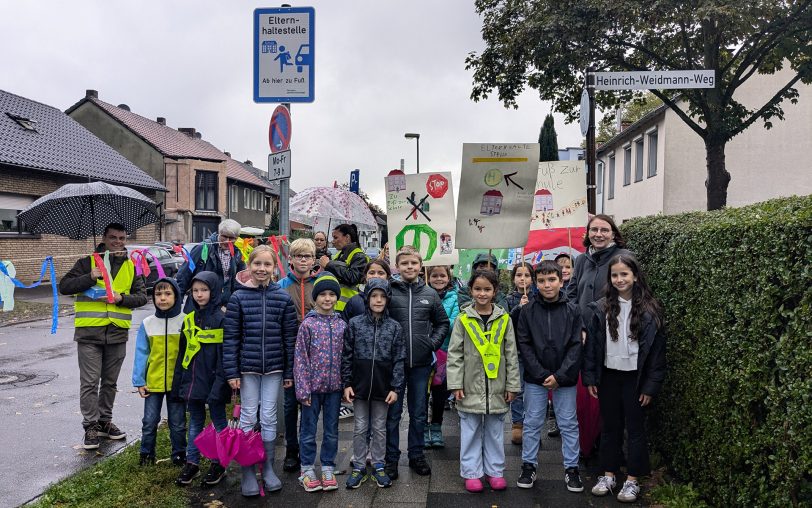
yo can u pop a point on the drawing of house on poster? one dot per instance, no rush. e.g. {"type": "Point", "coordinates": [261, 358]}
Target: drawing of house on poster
{"type": "Point", "coordinates": [543, 201]}
{"type": "Point", "coordinates": [560, 196]}
{"type": "Point", "coordinates": [491, 203]}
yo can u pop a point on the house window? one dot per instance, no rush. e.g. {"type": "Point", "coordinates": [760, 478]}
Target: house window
{"type": "Point", "coordinates": [206, 190]}
{"type": "Point", "coordinates": [267, 208]}
{"type": "Point", "coordinates": [652, 154]}
{"type": "Point", "coordinates": [10, 206]}
{"type": "Point", "coordinates": [627, 165]}
{"type": "Point", "coordinates": [233, 198]}
{"type": "Point", "coordinates": [638, 160]}
{"type": "Point", "coordinates": [611, 177]}
{"type": "Point", "coordinates": [246, 199]}
{"type": "Point", "coordinates": [599, 179]}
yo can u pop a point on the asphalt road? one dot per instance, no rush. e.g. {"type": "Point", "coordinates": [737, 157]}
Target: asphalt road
{"type": "Point", "coordinates": [39, 408]}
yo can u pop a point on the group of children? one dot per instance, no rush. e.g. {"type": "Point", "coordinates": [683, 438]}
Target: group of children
{"type": "Point", "coordinates": [404, 338]}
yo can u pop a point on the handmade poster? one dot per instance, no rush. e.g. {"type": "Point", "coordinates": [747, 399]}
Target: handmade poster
{"type": "Point", "coordinates": [496, 194]}
{"type": "Point", "coordinates": [420, 213]}
{"type": "Point", "coordinates": [462, 270]}
{"type": "Point", "coordinates": [559, 200]}
{"type": "Point", "coordinates": [549, 243]}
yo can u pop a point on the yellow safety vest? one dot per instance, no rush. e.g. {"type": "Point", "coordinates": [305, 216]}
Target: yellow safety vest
{"type": "Point", "coordinates": [195, 336]}
{"type": "Point", "coordinates": [347, 292]}
{"type": "Point", "coordinates": [163, 335]}
{"type": "Point", "coordinates": [244, 247]}
{"type": "Point", "coordinates": [90, 312]}
{"type": "Point", "coordinates": [489, 350]}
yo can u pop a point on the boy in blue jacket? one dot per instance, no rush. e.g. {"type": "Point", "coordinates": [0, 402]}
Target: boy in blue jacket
{"type": "Point", "coordinates": [156, 352]}
{"type": "Point", "coordinates": [199, 375]}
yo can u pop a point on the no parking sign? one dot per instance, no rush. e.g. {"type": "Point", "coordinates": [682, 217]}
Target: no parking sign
{"type": "Point", "coordinates": [279, 130]}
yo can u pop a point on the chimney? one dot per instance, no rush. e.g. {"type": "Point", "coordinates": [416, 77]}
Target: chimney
{"type": "Point", "coordinates": [402, 164]}
{"type": "Point", "coordinates": [161, 120]}
{"type": "Point", "coordinates": [228, 154]}
{"type": "Point", "coordinates": [91, 94]}
{"type": "Point", "coordinates": [248, 161]}
{"type": "Point", "coordinates": [624, 124]}
{"type": "Point", "coordinates": [124, 107]}
{"type": "Point", "coordinates": [189, 131]}
{"type": "Point", "coordinates": [199, 135]}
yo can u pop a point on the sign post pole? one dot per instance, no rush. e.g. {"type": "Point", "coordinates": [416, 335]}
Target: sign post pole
{"type": "Point", "coordinates": [284, 201]}
{"type": "Point", "coordinates": [590, 144]}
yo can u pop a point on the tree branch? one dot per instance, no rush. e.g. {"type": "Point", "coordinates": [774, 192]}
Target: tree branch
{"type": "Point", "coordinates": [679, 112]}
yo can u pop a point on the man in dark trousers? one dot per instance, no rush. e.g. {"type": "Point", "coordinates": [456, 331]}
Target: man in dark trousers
{"type": "Point", "coordinates": [102, 329]}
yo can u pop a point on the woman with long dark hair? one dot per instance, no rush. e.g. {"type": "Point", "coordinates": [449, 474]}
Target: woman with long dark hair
{"type": "Point", "coordinates": [347, 264]}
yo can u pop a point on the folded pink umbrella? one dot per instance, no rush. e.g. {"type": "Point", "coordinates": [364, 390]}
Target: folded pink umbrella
{"type": "Point", "coordinates": [206, 442]}
{"type": "Point", "coordinates": [228, 443]}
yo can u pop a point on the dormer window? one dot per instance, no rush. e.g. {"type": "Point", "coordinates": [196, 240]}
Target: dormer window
{"type": "Point", "coordinates": [25, 123]}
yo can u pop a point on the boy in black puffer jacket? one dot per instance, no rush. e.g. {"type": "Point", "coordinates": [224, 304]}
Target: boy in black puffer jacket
{"type": "Point", "coordinates": [372, 372]}
{"type": "Point", "coordinates": [199, 374]}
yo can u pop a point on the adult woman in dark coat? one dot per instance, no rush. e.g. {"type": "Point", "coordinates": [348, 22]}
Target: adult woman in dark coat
{"type": "Point", "coordinates": [348, 262]}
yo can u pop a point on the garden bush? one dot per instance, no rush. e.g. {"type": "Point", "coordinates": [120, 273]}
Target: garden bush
{"type": "Point", "coordinates": [735, 414]}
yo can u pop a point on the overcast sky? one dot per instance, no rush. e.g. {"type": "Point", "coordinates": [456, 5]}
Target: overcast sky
{"type": "Point", "coordinates": [382, 68]}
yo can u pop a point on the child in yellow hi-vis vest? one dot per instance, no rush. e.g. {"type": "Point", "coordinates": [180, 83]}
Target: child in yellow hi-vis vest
{"type": "Point", "coordinates": [156, 352]}
{"type": "Point", "coordinates": [483, 374]}
{"type": "Point", "coordinates": [199, 375]}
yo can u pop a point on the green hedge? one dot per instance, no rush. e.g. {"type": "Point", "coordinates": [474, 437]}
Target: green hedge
{"type": "Point", "coordinates": [735, 414]}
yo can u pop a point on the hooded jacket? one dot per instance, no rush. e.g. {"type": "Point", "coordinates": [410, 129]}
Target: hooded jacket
{"type": "Point", "coordinates": [374, 351]}
{"type": "Point", "coordinates": [651, 365]}
{"type": "Point", "coordinates": [157, 346]}
{"type": "Point", "coordinates": [317, 358]}
{"type": "Point", "coordinates": [260, 330]}
{"type": "Point", "coordinates": [452, 310]}
{"type": "Point", "coordinates": [348, 274]}
{"type": "Point", "coordinates": [549, 339]}
{"type": "Point", "coordinates": [465, 370]}
{"type": "Point", "coordinates": [300, 291]}
{"type": "Point", "coordinates": [78, 280]}
{"type": "Point", "coordinates": [204, 379]}
{"type": "Point", "coordinates": [419, 311]}
{"type": "Point", "coordinates": [211, 264]}
{"type": "Point", "coordinates": [589, 276]}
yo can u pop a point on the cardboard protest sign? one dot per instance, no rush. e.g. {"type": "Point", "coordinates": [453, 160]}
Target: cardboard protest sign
{"type": "Point", "coordinates": [420, 213]}
{"type": "Point", "coordinates": [559, 200]}
{"type": "Point", "coordinates": [496, 194]}
{"type": "Point", "coordinates": [547, 244]}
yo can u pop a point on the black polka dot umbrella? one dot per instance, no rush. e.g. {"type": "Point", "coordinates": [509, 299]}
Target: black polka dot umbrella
{"type": "Point", "coordinates": [82, 210]}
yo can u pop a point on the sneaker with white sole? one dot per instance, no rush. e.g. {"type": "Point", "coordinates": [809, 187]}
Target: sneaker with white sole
{"type": "Point", "coordinates": [345, 412]}
{"type": "Point", "coordinates": [328, 479]}
{"type": "Point", "coordinates": [110, 431]}
{"type": "Point", "coordinates": [310, 481]}
{"type": "Point", "coordinates": [573, 480]}
{"type": "Point", "coordinates": [91, 441]}
{"type": "Point", "coordinates": [528, 476]}
{"type": "Point", "coordinates": [629, 492]}
{"type": "Point", "coordinates": [605, 485]}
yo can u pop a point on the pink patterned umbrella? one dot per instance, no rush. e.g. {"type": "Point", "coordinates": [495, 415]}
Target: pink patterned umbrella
{"type": "Point", "coordinates": [331, 206]}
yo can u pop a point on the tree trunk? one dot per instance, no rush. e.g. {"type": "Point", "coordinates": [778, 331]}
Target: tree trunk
{"type": "Point", "coordinates": [718, 176]}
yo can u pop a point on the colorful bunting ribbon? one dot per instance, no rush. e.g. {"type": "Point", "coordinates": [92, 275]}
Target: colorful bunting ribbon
{"type": "Point", "coordinates": [46, 263]}
{"type": "Point", "coordinates": [108, 285]}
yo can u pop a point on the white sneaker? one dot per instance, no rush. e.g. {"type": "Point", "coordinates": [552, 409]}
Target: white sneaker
{"type": "Point", "coordinates": [629, 492]}
{"type": "Point", "coordinates": [345, 412]}
{"type": "Point", "coordinates": [605, 485]}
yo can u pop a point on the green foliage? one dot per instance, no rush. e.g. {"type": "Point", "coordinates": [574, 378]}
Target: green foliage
{"type": "Point", "coordinates": [672, 495]}
{"type": "Point", "coordinates": [735, 413]}
{"type": "Point", "coordinates": [548, 140]}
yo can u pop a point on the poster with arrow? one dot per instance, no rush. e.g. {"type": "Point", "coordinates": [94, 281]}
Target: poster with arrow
{"type": "Point", "coordinates": [420, 213]}
{"type": "Point", "coordinates": [496, 194]}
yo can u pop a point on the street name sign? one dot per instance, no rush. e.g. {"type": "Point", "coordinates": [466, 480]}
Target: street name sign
{"type": "Point", "coordinates": [284, 49]}
{"type": "Point", "coordinates": [279, 165]}
{"type": "Point", "coordinates": [655, 80]}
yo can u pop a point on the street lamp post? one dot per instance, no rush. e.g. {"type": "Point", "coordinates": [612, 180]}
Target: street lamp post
{"type": "Point", "coordinates": [415, 136]}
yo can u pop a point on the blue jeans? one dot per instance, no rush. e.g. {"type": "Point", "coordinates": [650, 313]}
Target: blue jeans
{"type": "Point", "coordinates": [176, 414]}
{"type": "Point", "coordinates": [482, 445]}
{"type": "Point", "coordinates": [260, 391]}
{"type": "Point", "coordinates": [517, 406]}
{"type": "Point", "coordinates": [197, 418]}
{"type": "Point", "coordinates": [328, 404]}
{"type": "Point", "coordinates": [291, 418]}
{"type": "Point", "coordinates": [417, 391]}
{"type": "Point", "coordinates": [564, 400]}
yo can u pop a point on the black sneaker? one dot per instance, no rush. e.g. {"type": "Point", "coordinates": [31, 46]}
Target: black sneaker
{"type": "Point", "coordinates": [146, 459]}
{"type": "Point", "coordinates": [528, 476]}
{"type": "Point", "coordinates": [391, 470]}
{"type": "Point", "coordinates": [420, 466]}
{"type": "Point", "coordinates": [187, 474]}
{"type": "Point", "coordinates": [91, 441]}
{"type": "Point", "coordinates": [553, 431]}
{"type": "Point", "coordinates": [110, 431]}
{"type": "Point", "coordinates": [292, 461]}
{"type": "Point", "coordinates": [573, 480]}
{"type": "Point", "coordinates": [179, 459]}
{"type": "Point", "coordinates": [215, 473]}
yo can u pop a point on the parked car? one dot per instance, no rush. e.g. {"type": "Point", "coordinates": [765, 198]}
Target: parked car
{"type": "Point", "coordinates": [169, 262]}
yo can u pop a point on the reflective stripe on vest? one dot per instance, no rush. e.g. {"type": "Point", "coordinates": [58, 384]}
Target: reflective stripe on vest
{"type": "Point", "coordinates": [347, 292]}
{"type": "Point", "coordinates": [195, 336]}
{"type": "Point", "coordinates": [163, 335]}
{"type": "Point", "coordinates": [90, 312]}
{"type": "Point", "coordinates": [489, 350]}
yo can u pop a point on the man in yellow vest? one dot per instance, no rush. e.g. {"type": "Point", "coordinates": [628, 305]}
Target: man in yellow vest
{"type": "Point", "coordinates": [102, 329]}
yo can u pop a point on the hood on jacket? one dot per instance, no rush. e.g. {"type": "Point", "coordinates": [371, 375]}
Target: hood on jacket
{"type": "Point", "coordinates": [215, 284]}
{"type": "Point", "coordinates": [483, 258]}
{"type": "Point", "coordinates": [175, 310]}
{"type": "Point", "coordinates": [373, 284]}
{"type": "Point", "coordinates": [309, 278]}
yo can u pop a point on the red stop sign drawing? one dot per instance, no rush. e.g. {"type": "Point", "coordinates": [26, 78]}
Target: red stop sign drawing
{"type": "Point", "coordinates": [436, 186]}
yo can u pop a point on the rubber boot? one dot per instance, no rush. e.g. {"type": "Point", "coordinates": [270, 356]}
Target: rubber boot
{"type": "Point", "coordinates": [516, 433]}
{"type": "Point", "coordinates": [272, 482]}
{"type": "Point", "coordinates": [249, 484]}
{"type": "Point", "coordinates": [437, 440]}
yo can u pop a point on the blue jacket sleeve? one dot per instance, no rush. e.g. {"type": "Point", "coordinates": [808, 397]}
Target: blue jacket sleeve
{"type": "Point", "coordinates": [141, 357]}
{"type": "Point", "coordinates": [290, 329]}
{"type": "Point", "coordinates": [232, 338]}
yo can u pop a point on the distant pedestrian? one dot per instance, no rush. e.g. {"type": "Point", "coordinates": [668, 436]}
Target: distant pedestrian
{"type": "Point", "coordinates": [157, 347]}
{"type": "Point", "coordinates": [320, 239]}
{"type": "Point", "coordinates": [624, 369]}
{"type": "Point", "coordinates": [200, 378]}
{"type": "Point", "coordinates": [483, 375]}
{"type": "Point", "coordinates": [258, 343]}
{"type": "Point", "coordinates": [317, 377]}
{"type": "Point", "coordinates": [523, 290]}
{"type": "Point", "coordinates": [102, 329]}
{"type": "Point", "coordinates": [347, 263]}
